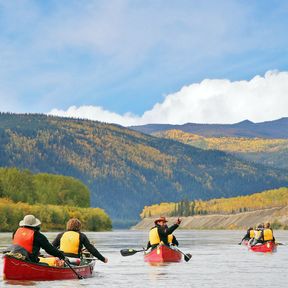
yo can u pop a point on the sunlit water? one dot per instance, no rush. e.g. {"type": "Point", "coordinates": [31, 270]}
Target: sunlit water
{"type": "Point", "coordinates": [217, 262]}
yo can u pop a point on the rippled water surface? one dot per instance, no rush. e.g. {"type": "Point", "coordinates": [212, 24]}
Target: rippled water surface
{"type": "Point", "coordinates": [217, 262]}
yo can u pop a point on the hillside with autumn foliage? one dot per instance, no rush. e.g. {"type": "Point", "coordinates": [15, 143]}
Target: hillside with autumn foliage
{"type": "Point", "coordinates": [258, 201]}
{"type": "Point", "coordinates": [272, 152]}
{"type": "Point", "coordinates": [53, 198]}
{"type": "Point", "coordinates": [230, 213]}
{"type": "Point", "coordinates": [124, 169]}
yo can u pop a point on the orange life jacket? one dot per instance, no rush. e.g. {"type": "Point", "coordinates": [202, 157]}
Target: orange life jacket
{"type": "Point", "coordinates": [24, 237]}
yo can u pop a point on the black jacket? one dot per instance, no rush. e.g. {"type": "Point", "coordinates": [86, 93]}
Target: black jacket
{"type": "Point", "coordinates": [163, 232]}
{"type": "Point", "coordinates": [84, 241]}
{"type": "Point", "coordinates": [40, 241]}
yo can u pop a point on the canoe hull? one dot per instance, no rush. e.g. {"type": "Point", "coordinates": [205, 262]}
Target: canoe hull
{"type": "Point", "coordinates": [163, 254]}
{"type": "Point", "coordinates": [266, 247]}
{"type": "Point", "coordinates": [15, 269]}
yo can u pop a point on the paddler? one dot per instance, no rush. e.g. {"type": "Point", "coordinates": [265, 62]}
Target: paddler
{"type": "Point", "coordinates": [73, 240]}
{"type": "Point", "coordinates": [250, 234]}
{"type": "Point", "coordinates": [162, 233]}
{"type": "Point", "coordinates": [27, 240]}
{"type": "Point", "coordinates": [258, 235]}
{"type": "Point", "coordinates": [268, 233]}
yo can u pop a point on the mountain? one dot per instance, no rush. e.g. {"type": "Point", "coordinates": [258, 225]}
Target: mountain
{"type": "Point", "coordinates": [270, 129]}
{"type": "Point", "coordinates": [124, 169]}
{"type": "Point", "coordinates": [271, 152]}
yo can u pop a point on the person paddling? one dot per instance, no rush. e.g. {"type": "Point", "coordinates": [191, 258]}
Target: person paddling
{"type": "Point", "coordinates": [162, 233]}
{"type": "Point", "coordinates": [27, 240]}
{"type": "Point", "coordinates": [72, 241]}
{"type": "Point", "coordinates": [268, 233]}
{"type": "Point", "coordinates": [250, 234]}
{"type": "Point", "coordinates": [258, 235]}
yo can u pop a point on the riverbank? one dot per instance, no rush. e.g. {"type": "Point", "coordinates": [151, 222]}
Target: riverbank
{"type": "Point", "coordinates": [242, 220]}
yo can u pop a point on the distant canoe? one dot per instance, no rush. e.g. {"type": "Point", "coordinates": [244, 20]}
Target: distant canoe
{"type": "Point", "coordinates": [15, 269]}
{"type": "Point", "coordinates": [265, 247]}
{"type": "Point", "coordinates": [162, 253]}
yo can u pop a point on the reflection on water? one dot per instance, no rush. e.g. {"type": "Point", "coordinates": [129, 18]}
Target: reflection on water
{"type": "Point", "coordinates": [218, 261]}
{"type": "Point", "coordinates": [20, 283]}
{"type": "Point", "coordinates": [159, 264]}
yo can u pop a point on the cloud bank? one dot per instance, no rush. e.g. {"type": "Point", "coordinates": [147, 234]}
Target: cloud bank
{"type": "Point", "coordinates": [210, 101]}
{"type": "Point", "coordinates": [71, 52]}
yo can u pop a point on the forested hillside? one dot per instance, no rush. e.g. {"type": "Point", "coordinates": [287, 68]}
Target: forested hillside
{"type": "Point", "coordinates": [272, 152]}
{"type": "Point", "coordinates": [126, 170]}
{"type": "Point", "coordinates": [53, 217]}
{"type": "Point", "coordinates": [23, 186]}
{"type": "Point", "coordinates": [22, 193]}
{"type": "Point", "coordinates": [258, 201]}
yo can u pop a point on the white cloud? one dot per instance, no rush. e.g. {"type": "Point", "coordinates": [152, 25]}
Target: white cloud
{"type": "Point", "coordinates": [97, 113]}
{"type": "Point", "coordinates": [211, 101]}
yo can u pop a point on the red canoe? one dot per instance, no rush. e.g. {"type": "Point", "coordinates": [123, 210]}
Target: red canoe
{"type": "Point", "coordinates": [266, 247]}
{"type": "Point", "coordinates": [163, 253]}
{"type": "Point", "coordinates": [15, 269]}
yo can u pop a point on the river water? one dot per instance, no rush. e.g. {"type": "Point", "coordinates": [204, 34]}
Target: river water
{"type": "Point", "coordinates": [217, 262]}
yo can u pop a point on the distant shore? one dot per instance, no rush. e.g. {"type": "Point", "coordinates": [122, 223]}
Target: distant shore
{"type": "Point", "coordinates": [239, 221]}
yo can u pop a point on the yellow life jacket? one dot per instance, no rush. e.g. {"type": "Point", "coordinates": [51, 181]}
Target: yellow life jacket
{"type": "Point", "coordinates": [170, 238]}
{"type": "Point", "coordinates": [51, 261]}
{"type": "Point", "coordinates": [252, 234]}
{"type": "Point", "coordinates": [257, 234]}
{"type": "Point", "coordinates": [69, 242]}
{"type": "Point", "coordinates": [268, 234]}
{"type": "Point", "coordinates": [154, 237]}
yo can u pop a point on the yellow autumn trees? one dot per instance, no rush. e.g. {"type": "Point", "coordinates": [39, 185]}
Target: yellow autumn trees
{"type": "Point", "coordinates": [257, 201]}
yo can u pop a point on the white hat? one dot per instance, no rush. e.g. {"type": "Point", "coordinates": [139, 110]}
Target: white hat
{"type": "Point", "coordinates": [30, 221]}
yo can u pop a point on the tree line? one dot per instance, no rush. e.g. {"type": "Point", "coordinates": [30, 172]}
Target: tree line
{"type": "Point", "coordinates": [23, 186]}
{"type": "Point", "coordinates": [52, 198]}
{"type": "Point", "coordinates": [53, 217]}
{"type": "Point", "coordinates": [257, 201]}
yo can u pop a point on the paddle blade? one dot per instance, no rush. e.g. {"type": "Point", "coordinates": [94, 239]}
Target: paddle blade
{"type": "Point", "coordinates": [187, 257]}
{"type": "Point", "coordinates": [128, 252]}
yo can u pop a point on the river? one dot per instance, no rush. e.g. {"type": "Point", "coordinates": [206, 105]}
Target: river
{"type": "Point", "coordinates": [217, 262]}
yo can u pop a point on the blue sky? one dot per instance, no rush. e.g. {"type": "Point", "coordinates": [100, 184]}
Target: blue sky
{"type": "Point", "coordinates": [136, 62]}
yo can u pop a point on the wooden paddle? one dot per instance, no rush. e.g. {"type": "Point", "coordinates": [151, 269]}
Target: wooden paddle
{"type": "Point", "coordinates": [75, 272]}
{"type": "Point", "coordinates": [129, 252]}
{"type": "Point", "coordinates": [187, 256]}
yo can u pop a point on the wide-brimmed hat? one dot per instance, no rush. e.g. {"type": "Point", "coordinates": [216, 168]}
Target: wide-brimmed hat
{"type": "Point", "coordinates": [162, 218]}
{"type": "Point", "coordinates": [30, 221]}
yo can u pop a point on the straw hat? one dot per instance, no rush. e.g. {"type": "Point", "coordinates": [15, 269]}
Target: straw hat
{"type": "Point", "coordinates": [30, 221]}
{"type": "Point", "coordinates": [162, 218]}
